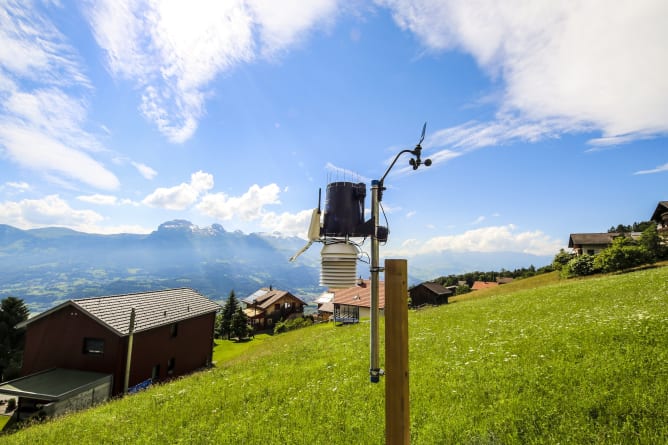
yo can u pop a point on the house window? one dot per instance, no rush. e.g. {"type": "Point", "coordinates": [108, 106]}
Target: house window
{"type": "Point", "coordinates": [590, 251]}
{"type": "Point", "coordinates": [174, 330]}
{"type": "Point", "coordinates": [277, 307]}
{"type": "Point", "coordinates": [170, 366]}
{"type": "Point", "coordinates": [93, 346]}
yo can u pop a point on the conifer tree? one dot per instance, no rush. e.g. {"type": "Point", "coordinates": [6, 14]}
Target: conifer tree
{"type": "Point", "coordinates": [229, 309]}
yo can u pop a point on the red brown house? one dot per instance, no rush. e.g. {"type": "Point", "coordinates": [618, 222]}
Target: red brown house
{"type": "Point", "coordinates": [266, 306]}
{"type": "Point", "coordinates": [353, 303]}
{"type": "Point", "coordinates": [173, 335]}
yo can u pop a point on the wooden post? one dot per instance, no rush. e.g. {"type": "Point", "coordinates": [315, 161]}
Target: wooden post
{"type": "Point", "coordinates": [397, 412]}
{"type": "Point", "coordinates": [131, 329]}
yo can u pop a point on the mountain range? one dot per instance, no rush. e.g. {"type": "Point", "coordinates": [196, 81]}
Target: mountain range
{"type": "Point", "coordinates": [49, 265]}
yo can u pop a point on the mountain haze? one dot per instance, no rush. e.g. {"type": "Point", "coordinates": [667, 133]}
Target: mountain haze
{"type": "Point", "coordinates": [48, 265]}
{"type": "Point", "coordinates": [45, 266]}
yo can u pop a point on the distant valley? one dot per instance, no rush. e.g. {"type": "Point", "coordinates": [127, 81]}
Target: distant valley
{"type": "Point", "coordinates": [49, 265]}
{"type": "Point", "coordinates": [46, 266]}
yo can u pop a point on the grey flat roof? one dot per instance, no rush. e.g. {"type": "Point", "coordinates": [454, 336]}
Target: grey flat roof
{"type": "Point", "coordinates": [53, 384]}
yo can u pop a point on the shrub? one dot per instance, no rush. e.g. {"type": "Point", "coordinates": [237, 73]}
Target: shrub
{"type": "Point", "coordinates": [292, 324]}
{"type": "Point", "coordinates": [561, 259]}
{"type": "Point", "coordinates": [620, 257]}
{"type": "Point", "coordinates": [579, 266]}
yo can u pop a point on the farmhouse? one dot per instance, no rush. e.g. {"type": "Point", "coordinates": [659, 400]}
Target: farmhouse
{"type": "Point", "coordinates": [590, 243]}
{"type": "Point", "coordinates": [353, 303]}
{"type": "Point", "coordinates": [660, 217]}
{"type": "Point", "coordinates": [172, 336]}
{"type": "Point", "coordinates": [429, 293]}
{"type": "Point", "coordinates": [266, 306]}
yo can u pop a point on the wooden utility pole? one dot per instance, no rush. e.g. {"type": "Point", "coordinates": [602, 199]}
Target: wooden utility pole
{"type": "Point", "coordinates": [128, 360]}
{"type": "Point", "coordinates": [397, 407]}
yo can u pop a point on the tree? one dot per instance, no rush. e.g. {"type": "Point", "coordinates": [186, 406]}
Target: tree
{"type": "Point", "coordinates": [651, 242]}
{"type": "Point", "coordinates": [624, 253]}
{"type": "Point", "coordinates": [239, 326]}
{"type": "Point", "coordinates": [579, 266]}
{"type": "Point", "coordinates": [229, 309]}
{"type": "Point", "coordinates": [561, 259]}
{"type": "Point", "coordinates": [12, 311]}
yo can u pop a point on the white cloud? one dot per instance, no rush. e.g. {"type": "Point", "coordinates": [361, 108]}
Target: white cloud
{"type": "Point", "coordinates": [48, 211]}
{"type": "Point", "coordinates": [659, 169]}
{"type": "Point", "coordinates": [144, 170]}
{"type": "Point", "coordinates": [566, 66]}
{"type": "Point", "coordinates": [106, 200]}
{"type": "Point", "coordinates": [21, 186]}
{"type": "Point", "coordinates": [173, 50]}
{"type": "Point", "coordinates": [40, 151]}
{"type": "Point", "coordinates": [247, 207]}
{"type": "Point", "coordinates": [181, 196]}
{"type": "Point", "coordinates": [486, 239]}
{"type": "Point", "coordinates": [42, 126]}
{"type": "Point", "coordinates": [288, 224]}
{"type": "Point", "coordinates": [33, 48]}
{"type": "Point", "coordinates": [478, 220]}
{"type": "Point", "coordinates": [282, 23]}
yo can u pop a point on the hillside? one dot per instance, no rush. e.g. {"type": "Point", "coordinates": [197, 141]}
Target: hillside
{"type": "Point", "coordinates": [577, 361]}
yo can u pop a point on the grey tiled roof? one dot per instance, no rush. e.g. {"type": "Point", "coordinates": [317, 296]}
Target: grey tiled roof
{"type": "Point", "coordinates": [152, 309]}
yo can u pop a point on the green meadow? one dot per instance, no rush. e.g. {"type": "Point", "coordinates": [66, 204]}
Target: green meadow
{"type": "Point", "coordinates": [541, 361]}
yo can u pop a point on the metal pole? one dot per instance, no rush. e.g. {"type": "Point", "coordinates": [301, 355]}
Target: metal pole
{"type": "Point", "coordinates": [374, 369]}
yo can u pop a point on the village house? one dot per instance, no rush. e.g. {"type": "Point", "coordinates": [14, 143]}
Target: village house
{"type": "Point", "coordinates": [479, 285]}
{"type": "Point", "coordinates": [594, 243]}
{"type": "Point", "coordinates": [590, 243]}
{"type": "Point", "coordinates": [353, 303]}
{"type": "Point", "coordinates": [429, 293]}
{"type": "Point", "coordinates": [266, 306]}
{"type": "Point", "coordinates": [325, 306]}
{"type": "Point", "coordinates": [89, 338]}
{"type": "Point", "coordinates": [660, 217]}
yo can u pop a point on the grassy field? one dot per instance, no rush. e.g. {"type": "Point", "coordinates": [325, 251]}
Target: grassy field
{"type": "Point", "coordinates": [3, 421]}
{"type": "Point", "coordinates": [560, 361]}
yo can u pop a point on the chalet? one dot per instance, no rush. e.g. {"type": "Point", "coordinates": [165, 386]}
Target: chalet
{"type": "Point", "coordinates": [429, 293]}
{"type": "Point", "coordinates": [660, 217]}
{"type": "Point", "coordinates": [266, 306]}
{"type": "Point", "coordinates": [353, 303]}
{"type": "Point", "coordinates": [594, 243]}
{"type": "Point", "coordinates": [590, 243]}
{"type": "Point", "coordinates": [172, 336]}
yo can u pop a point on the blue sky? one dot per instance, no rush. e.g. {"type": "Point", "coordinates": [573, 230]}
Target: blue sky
{"type": "Point", "coordinates": [543, 118]}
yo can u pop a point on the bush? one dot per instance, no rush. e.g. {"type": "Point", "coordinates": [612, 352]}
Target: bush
{"type": "Point", "coordinates": [620, 257]}
{"type": "Point", "coordinates": [11, 405]}
{"type": "Point", "coordinates": [580, 266]}
{"type": "Point", "coordinates": [292, 324]}
{"type": "Point", "coordinates": [561, 259]}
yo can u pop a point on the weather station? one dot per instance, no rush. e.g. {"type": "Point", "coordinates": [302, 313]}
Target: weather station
{"type": "Point", "coordinates": [342, 223]}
